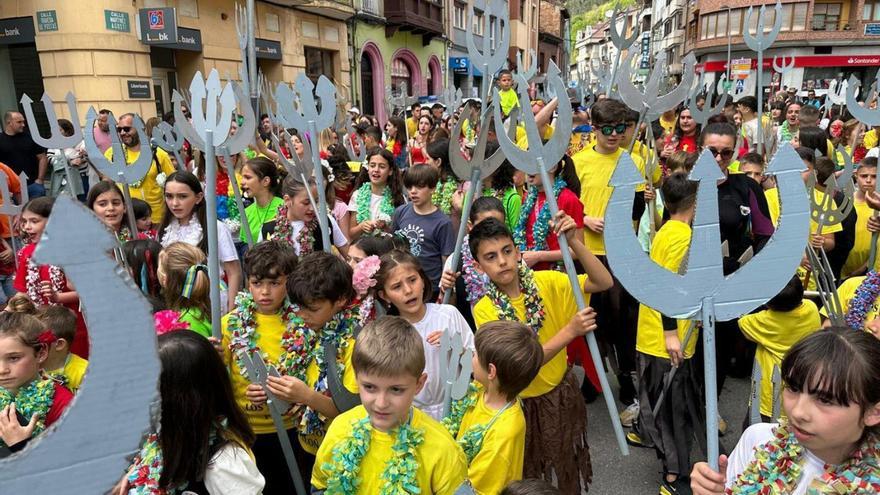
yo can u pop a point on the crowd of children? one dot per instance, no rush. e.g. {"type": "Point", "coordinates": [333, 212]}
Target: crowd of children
{"type": "Point", "coordinates": [354, 331]}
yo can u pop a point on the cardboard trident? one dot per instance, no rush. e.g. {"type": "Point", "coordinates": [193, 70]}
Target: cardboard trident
{"type": "Point", "coordinates": [782, 68]}
{"type": "Point", "coordinates": [621, 42]}
{"type": "Point", "coordinates": [10, 209]}
{"type": "Point", "coordinates": [56, 139]}
{"type": "Point", "coordinates": [212, 110]}
{"type": "Point", "coordinates": [171, 140]}
{"type": "Point", "coordinates": [456, 365]}
{"type": "Point", "coordinates": [105, 424]}
{"type": "Point", "coordinates": [540, 159]}
{"type": "Point", "coordinates": [476, 169]}
{"type": "Point", "coordinates": [117, 167]}
{"type": "Point", "coordinates": [870, 118]}
{"type": "Point", "coordinates": [702, 116]}
{"type": "Point", "coordinates": [759, 42]}
{"type": "Point", "coordinates": [307, 120]}
{"type": "Point", "coordinates": [490, 59]}
{"type": "Point", "coordinates": [703, 292]}
{"type": "Point", "coordinates": [649, 103]}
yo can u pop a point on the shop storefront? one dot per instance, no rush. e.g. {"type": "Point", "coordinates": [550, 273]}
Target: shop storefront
{"type": "Point", "coordinates": [19, 73]}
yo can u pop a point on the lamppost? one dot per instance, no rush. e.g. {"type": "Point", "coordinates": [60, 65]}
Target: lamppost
{"type": "Point", "coordinates": [728, 84]}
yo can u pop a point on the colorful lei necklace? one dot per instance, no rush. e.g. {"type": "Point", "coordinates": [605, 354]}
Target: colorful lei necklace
{"type": "Point", "coordinates": [472, 439]}
{"type": "Point", "coordinates": [34, 398]}
{"type": "Point", "coordinates": [533, 305]}
{"type": "Point", "coordinates": [442, 196]}
{"type": "Point", "coordinates": [863, 300]}
{"type": "Point", "coordinates": [364, 195]}
{"type": "Point", "coordinates": [399, 475]}
{"type": "Point", "coordinates": [32, 282]}
{"type": "Point", "coordinates": [227, 209]}
{"type": "Point", "coordinates": [284, 231]}
{"type": "Point", "coordinates": [776, 469]}
{"type": "Point", "coordinates": [146, 472]}
{"type": "Point", "coordinates": [476, 282]}
{"type": "Point", "coordinates": [541, 227]}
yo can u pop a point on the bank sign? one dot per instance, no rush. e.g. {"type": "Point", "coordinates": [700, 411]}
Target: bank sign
{"type": "Point", "coordinates": [158, 26]}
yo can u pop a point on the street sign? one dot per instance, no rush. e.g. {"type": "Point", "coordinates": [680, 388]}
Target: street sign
{"type": "Point", "coordinates": [158, 26]}
{"type": "Point", "coordinates": [115, 20]}
{"type": "Point", "coordinates": [47, 20]}
{"type": "Point", "coordinates": [268, 49]}
{"type": "Point", "coordinates": [459, 65]}
{"type": "Point", "coordinates": [872, 29]}
{"type": "Point", "coordinates": [138, 89]}
{"type": "Point", "coordinates": [740, 68]}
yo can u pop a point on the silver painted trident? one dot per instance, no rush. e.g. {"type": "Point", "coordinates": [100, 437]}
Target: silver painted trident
{"type": "Point", "coordinates": [703, 292]}
{"type": "Point", "coordinates": [869, 118]}
{"type": "Point", "coordinates": [56, 139]}
{"type": "Point", "coordinates": [490, 59]}
{"type": "Point", "coordinates": [759, 42]}
{"type": "Point", "coordinates": [538, 159]}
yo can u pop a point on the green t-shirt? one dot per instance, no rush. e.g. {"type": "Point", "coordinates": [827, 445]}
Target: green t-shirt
{"type": "Point", "coordinates": [257, 216]}
{"type": "Point", "coordinates": [512, 204]}
{"type": "Point", "coordinates": [509, 100]}
{"type": "Point", "coordinates": [198, 323]}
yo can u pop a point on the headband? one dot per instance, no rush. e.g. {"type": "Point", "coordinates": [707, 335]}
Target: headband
{"type": "Point", "coordinates": [190, 281]}
{"type": "Point", "coordinates": [46, 338]}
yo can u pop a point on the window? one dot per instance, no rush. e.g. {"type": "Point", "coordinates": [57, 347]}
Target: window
{"type": "Point", "coordinates": [319, 62]}
{"type": "Point", "coordinates": [799, 19]}
{"type": "Point", "coordinates": [872, 10]}
{"type": "Point", "coordinates": [493, 25]}
{"type": "Point", "coordinates": [692, 30]}
{"type": "Point", "coordinates": [522, 10]}
{"type": "Point", "coordinates": [273, 23]}
{"type": "Point", "coordinates": [458, 17]}
{"type": "Point", "coordinates": [534, 17]}
{"type": "Point", "coordinates": [736, 16]}
{"type": "Point", "coordinates": [667, 27]}
{"type": "Point", "coordinates": [400, 74]}
{"type": "Point", "coordinates": [721, 30]}
{"type": "Point", "coordinates": [713, 23]}
{"type": "Point", "coordinates": [826, 16]}
{"type": "Point", "coordinates": [704, 27]}
{"type": "Point", "coordinates": [478, 23]}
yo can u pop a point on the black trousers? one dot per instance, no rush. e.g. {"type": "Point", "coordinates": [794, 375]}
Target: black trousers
{"type": "Point", "coordinates": [273, 465]}
{"type": "Point", "coordinates": [618, 313]}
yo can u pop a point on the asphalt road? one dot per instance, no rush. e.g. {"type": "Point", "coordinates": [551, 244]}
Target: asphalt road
{"type": "Point", "coordinates": [639, 473]}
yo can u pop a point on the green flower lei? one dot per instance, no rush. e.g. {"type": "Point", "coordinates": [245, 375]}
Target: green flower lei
{"type": "Point", "coordinates": [34, 398]}
{"type": "Point", "coordinates": [533, 304]}
{"type": "Point", "coordinates": [442, 196]}
{"type": "Point", "coordinates": [472, 439]}
{"type": "Point", "coordinates": [364, 194]}
{"type": "Point", "coordinates": [399, 475]}
{"type": "Point", "coordinates": [541, 227]}
{"type": "Point", "coordinates": [776, 469]}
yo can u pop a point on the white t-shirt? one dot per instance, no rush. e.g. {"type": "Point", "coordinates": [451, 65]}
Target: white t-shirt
{"type": "Point", "coordinates": [233, 472]}
{"type": "Point", "coordinates": [755, 437]}
{"type": "Point", "coordinates": [375, 202]}
{"type": "Point", "coordinates": [437, 318]}
{"type": "Point", "coordinates": [338, 238]}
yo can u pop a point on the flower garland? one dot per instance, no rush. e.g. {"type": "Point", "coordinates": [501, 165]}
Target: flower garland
{"type": "Point", "coordinates": [146, 472]}
{"type": "Point", "coordinates": [785, 132]}
{"type": "Point", "coordinates": [476, 282]}
{"type": "Point", "coordinates": [533, 305]}
{"type": "Point", "coordinates": [863, 300]}
{"type": "Point", "coordinates": [124, 234]}
{"type": "Point", "coordinates": [472, 440]}
{"type": "Point", "coordinates": [32, 282]}
{"type": "Point", "coordinates": [399, 475]}
{"type": "Point", "coordinates": [777, 469]}
{"type": "Point", "coordinates": [442, 195]}
{"type": "Point", "coordinates": [227, 208]}
{"type": "Point", "coordinates": [364, 195]}
{"type": "Point", "coordinates": [305, 238]}
{"type": "Point", "coordinates": [541, 227]}
{"type": "Point", "coordinates": [283, 229]}
{"type": "Point", "coordinates": [34, 398]}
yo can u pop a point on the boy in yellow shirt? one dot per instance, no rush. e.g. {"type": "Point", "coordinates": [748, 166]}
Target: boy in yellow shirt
{"type": "Point", "coordinates": [752, 165]}
{"type": "Point", "coordinates": [61, 363]}
{"type": "Point", "coordinates": [788, 319]}
{"type": "Point", "coordinates": [509, 98]}
{"type": "Point", "coordinates": [488, 423]}
{"type": "Point", "coordinates": [544, 300]}
{"type": "Point", "coordinates": [265, 320]}
{"type": "Point", "coordinates": [856, 262]}
{"type": "Point", "coordinates": [661, 346]}
{"type": "Point", "coordinates": [386, 443]}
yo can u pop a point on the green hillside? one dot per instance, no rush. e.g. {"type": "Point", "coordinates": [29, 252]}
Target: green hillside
{"type": "Point", "coordinates": [589, 12]}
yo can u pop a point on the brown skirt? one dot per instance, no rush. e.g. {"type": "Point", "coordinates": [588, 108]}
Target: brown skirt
{"type": "Point", "coordinates": [556, 437]}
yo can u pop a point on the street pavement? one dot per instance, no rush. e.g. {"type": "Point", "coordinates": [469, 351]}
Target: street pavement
{"type": "Point", "coordinates": [639, 473]}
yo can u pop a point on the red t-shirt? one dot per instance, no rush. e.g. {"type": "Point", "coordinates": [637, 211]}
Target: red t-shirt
{"type": "Point", "coordinates": [80, 345]}
{"type": "Point", "coordinates": [570, 204]}
{"type": "Point", "coordinates": [62, 399]}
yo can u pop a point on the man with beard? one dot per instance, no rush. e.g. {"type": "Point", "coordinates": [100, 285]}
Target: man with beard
{"type": "Point", "coordinates": [22, 154]}
{"type": "Point", "coordinates": [150, 188]}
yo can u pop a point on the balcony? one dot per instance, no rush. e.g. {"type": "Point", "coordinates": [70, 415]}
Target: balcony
{"type": "Point", "coordinates": [335, 9]}
{"type": "Point", "coordinates": [370, 10]}
{"type": "Point", "coordinates": [420, 17]}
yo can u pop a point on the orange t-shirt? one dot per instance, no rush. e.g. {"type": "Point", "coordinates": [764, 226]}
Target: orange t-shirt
{"type": "Point", "coordinates": [14, 188]}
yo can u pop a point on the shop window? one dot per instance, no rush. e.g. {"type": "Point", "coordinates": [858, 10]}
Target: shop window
{"type": "Point", "coordinates": [826, 16]}
{"type": "Point", "coordinates": [400, 73]}
{"type": "Point", "coordinates": [319, 62]}
{"type": "Point", "coordinates": [458, 17]}
{"type": "Point", "coordinates": [871, 11]}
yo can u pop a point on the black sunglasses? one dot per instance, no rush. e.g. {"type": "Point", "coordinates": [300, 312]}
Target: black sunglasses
{"type": "Point", "coordinates": [726, 153]}
{"type": "Point", "coordinates": [607, 130]}
{"type": "Point", "coordinates": [125, 130]}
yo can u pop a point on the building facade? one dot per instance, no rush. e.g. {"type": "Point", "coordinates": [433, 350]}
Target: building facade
{"type": "Point", "coordinates": [552, 23]}
{"type": "Point", "coordinates": [95, 49]}
{"type": "Point", "coordinates": [667, 28]}
{"type": "Point", "coordinates": [829, 40]}
{"type": "Point", "coordinates": [397, 42]}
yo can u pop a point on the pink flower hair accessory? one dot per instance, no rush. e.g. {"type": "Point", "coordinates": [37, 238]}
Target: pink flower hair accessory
{"type": "Point", "coordinates": [364, 274]}
{"type": "Point", "coordinates": [168, 321]}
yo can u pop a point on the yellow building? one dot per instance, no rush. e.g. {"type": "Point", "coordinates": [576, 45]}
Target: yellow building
{"type": "Point", "coordinates": [94, 48]}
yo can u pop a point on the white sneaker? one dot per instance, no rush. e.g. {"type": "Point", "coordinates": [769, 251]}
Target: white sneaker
{"type": "Point", "coordinates": [628, 415]}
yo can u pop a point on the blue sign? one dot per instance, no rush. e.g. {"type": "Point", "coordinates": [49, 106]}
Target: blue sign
{"type": "Point", "coordinates": [872, 29]}
{"type": "Point", "coordinates": [459, 65]}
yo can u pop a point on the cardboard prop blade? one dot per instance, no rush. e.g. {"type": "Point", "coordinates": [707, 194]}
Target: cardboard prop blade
{"type": "Point", "coordinates": [456, 366]}
{"type": "Point", "coordinates": [56, 138]}
{"type": "Point", "coordinates": [759, 43]}
{"type": "Point", "coordinates": [490, 59]}
{"type": "Point", "coordinates": [88, 450]}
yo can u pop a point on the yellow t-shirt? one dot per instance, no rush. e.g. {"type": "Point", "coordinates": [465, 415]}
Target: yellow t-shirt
{"type": "Point", "coordinates": [775, 332]}
{"type": "Point", "coordinates": [818, 197]}
{"type": "Point", "coordinates": [642, 151]}
{"type": "Point", "coordinates": [871, 139]}
{"type": "Point", "coordinates": [772, 196]}
{"type": "Point", "coordinates": [412, 126]}
{"type": "Point", "coordinates": [311, 442]}
{"type": "Point", "coordinates": [594, 171]}
{"type": "Point", "coordinates": [559, 306]}
{"type": "Point", "coordinates": [500, 459]}
{"type": "Point", "coordinates": [73, 371]}
{"type": "Point", "coordinates": [522, 140]}
{"type": "Point", "coordinates": [509, 100]}
{"type": "Point", "coordinates": [734, 167]}
{"type": "Point", "coordinates": [847, 291]}
{"type": "Point", "coordinates": [669, 248]}
{"type": "Point", "coordinates": [442, 464]}
{"type": "Point", "coordinates": [858, 256]}
{"type": "Point", "coordinates": [270, 328]}
{"type": "Point", "coordinates": [150, 190]}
